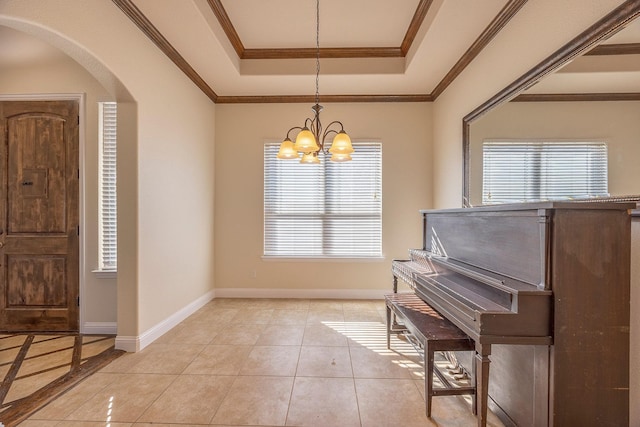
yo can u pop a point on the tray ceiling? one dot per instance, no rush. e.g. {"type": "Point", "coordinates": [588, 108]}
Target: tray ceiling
{"type": "Point", "coordinates": [264, 50]}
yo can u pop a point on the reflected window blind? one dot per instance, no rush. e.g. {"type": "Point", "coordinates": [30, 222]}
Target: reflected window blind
{"type": "Point", "coordinates": [107, 191]}
{"type": "Point", "coordinates": [326, 210]}
{"type": "Point", "coordinates": [542, 170]}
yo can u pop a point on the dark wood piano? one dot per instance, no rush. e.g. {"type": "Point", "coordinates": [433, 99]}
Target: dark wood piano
{"type": "Point", "coordinates": [543, 290]}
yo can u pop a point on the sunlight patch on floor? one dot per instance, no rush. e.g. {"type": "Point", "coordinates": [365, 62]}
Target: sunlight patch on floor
{"type": "Point", "coordinates": [372, 335]}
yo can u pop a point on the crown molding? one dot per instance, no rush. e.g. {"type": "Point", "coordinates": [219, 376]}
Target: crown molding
{"type": "Point", "coordinates": [143, 23]}
{"type": "Point", "coordinates": [290, 99]}
{"type": "Point", "coordinates": [350, 52]}
{"type": "Point", "coordinates": [498, 23]}
{"type": "Point", "coordinates": [227, 26]}
{"type": "Point", "coordinates": [576, 97]}
{"type": "Point", "coordinates": [333, 52]}
{"type": "Point", "coordinates": [414, 26]}
{"type": "Point", "coordinates": [616, 49]}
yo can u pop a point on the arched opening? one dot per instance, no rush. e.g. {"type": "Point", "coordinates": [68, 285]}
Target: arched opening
{"type": "Point", "coordinates": [105, 304]}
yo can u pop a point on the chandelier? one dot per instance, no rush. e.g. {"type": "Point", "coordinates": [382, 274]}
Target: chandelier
{"type": "Point", "coordinates": [311, 137]}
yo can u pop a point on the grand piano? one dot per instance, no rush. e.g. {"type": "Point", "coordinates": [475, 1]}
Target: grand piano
{"type": "Point", "coordinates": [543, 290]}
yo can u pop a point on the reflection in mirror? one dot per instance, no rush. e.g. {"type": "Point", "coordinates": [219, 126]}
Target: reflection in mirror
{"type": "Point", "coordinates": [616, 123]}
{"type": "Point", "coordinates": [594, 98]}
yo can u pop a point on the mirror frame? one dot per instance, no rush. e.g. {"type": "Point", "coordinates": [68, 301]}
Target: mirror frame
{"type": "Point", "coordinates": [601, 30]}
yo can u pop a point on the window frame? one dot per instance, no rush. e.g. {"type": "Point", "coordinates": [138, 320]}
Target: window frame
{"type": "Point", "coordinates": [325, 214]}
{"type": "Point", "coordinates": [543, 179]}
{"type": "Point", "coordinates": [107, 190]}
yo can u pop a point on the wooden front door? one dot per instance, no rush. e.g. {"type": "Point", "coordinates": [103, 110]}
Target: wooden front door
{"type": "Point", "coordinates": [39, 226]}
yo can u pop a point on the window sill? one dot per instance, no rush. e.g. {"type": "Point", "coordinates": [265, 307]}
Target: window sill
{"type": "Point", "coordinates": [105, 274]}
{"type": "Point", "coordinates": [323, 259]}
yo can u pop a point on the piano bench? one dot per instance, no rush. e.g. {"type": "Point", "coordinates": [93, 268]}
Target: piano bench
{"type": "Point", "coordinates": [434, 333]}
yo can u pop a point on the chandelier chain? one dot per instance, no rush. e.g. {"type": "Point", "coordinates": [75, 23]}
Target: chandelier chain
{"type": "Point", "coordinates": [310, 139]}
{"type": "Point", "coordinates": [317, 51]}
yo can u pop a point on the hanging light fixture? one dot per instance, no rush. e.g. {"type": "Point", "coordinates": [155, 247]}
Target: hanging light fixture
{"type": "Point", "coordinates": [311, 137]}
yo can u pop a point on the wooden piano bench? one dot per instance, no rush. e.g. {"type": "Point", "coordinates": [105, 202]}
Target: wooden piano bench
{"type": "Point", "coordinates": [434, 333]}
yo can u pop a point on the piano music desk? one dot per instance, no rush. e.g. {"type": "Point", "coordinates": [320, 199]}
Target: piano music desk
{"type": "Point", "coordinates": [435, 333]}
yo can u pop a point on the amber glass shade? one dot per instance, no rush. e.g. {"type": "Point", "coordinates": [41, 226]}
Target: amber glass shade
{"type": "Point", "coordinates": [341, 144]}
{"type": "Point", "coordinates": [287, 151]}
{"type": "Point", "coordinates": [341, 157]}
{"type": "Point", "coordinates": [306, 142]}
{"type": "Point", "coordinates": [310, 158]}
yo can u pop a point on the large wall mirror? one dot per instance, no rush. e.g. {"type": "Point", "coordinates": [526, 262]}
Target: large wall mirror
{"type": "Point", "coordinates": [589, 91]}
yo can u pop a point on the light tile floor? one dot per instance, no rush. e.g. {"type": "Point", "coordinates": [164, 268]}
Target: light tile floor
{"type": "Point", "coordinates": [256, 362]}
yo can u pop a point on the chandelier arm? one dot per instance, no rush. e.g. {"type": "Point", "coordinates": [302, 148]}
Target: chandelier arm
{"type": "Point", "coordinates": [327, 133]}
{"type": "Point", "coordinates": [338, 122]}
{"type": "Point", "coordinates": [293, 128]}
{"type": "Point", "coordinates": [308, 122]}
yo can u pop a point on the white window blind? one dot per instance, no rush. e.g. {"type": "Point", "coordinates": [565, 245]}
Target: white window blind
{"type": "Point", "coordinates": [542, 170]}
{"type": "Point", "coordinates": [107, 191]}
{"type": "Point", "coordinates": [326, 210]}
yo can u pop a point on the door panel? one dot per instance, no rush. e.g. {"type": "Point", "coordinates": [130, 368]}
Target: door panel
{"type": "Point", "coordinates": [39, 252]}
{"type": "Point", "coordinates": [36, 177]}
{"type": "Point", "coordinates": [36, 281]}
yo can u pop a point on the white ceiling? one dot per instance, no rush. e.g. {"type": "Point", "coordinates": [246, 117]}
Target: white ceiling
{"type": "Point", "coordinates": [192, 28]}
{"type": "Point", "coordinates": [291, 23]}
{"type": "Point", "coordinates": [448, 30]}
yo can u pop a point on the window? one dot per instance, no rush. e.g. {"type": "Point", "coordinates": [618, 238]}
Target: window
{"type": "Point", "coordinates": [107, 112]}
{"type": "Point", "coordinates": [326, 210]}
{"type": "Point", "coordinates": [543, 170]}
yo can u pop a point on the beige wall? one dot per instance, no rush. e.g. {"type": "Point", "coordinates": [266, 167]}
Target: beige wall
{"type": "Point", "coordinates": [515, 50]}
{"type": "Point", "coordinates": [615, 123]}
{"type": "Point", "coordinates": [166, 162]}
{"type": "Point", "coordinates": [405, 132]}
{"type": "Point", "coordinates": [65, 76]}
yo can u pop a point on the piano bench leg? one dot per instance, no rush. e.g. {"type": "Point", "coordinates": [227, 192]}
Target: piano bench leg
{"type": "Point", "coordinates": [474, 379]}
{"type": "Point", "coordinates": [428, 375]}
{"type": "Point", "coordinates": [388, 327]}
{"type": "Point", "coordinates": [395, 291]}
{"type": "Point", "coordinates": [392, 324]}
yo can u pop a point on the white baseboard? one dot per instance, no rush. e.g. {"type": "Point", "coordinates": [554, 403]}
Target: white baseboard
{"type": "Point", "coordinates": [134, 344]}
{"type": "Point", "coordinates": [137, 343]}
{"type": "Point", "coordinates": [128, 344]}
{"type": "Point", "coordinates": [100, 328]}
{"type": "Point", "coordinates": [302, 293]}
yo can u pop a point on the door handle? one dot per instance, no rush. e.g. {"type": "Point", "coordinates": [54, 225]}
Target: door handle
{"type": "Point", "coordinates": [1, 244]}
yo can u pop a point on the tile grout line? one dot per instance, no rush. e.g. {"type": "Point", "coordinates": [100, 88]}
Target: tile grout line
{"type": "Point", "coordinates": [175, 375]}
{"type": "Point", "coordinates": [295, 374]}
{"type": "Point", "coordinates": [353, 378]}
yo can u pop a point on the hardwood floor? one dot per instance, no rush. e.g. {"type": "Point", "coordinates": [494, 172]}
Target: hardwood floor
{"type": "Point", "coordinates": [37, 368]}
